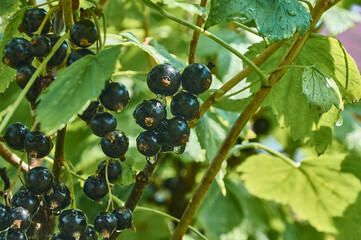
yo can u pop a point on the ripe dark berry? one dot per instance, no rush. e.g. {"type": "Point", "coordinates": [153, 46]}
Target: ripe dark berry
{"type": "Point", "coordinates": [149, 114]}
{"type": "Point", "coordinates": [37, 144]}
{"type": "Point", "coordinates": [24, 74]}
{"type": "Point", "coordinates": [90, 234]}
{"type": "Point", "coordinates": [114, 97]}
{"type": "Point", "coordinates": [58, 236]}
{"type": "Point", "coordinates": [261, 126]}
{"type": "Point", "coordinates": [4, 217]}
{"type": "Point", "coordinates": [15, 234]}
{"type": "Point", "coordinates": [77, 54]}
{"type": "Point", "coordinates": [83, 33]}
{"type": "Point", "coordinates": [92, 109]}
{"type": "Point", "coordinates": [40, 180]}
{"type": "Point", "coordinates": [124, 216]}
{"type": "Point", "coordinates": [164, 79]}
{"type": "Point", "coordinates": [20, 218]}
{"type": "Point", "coordinates": [43, 83]}
{"type": "Point", "coordinates": [103, 123]}
{"type": "Point", "coordinates": [186, 105]}
{"type": "Point", "coordinates": [148, 143]}
{"type": "Point", "coordinates": [32, 21]}
{"type": "Point", "coordinates": [58, 198]}
{"type": "Point", "coordinates": [95, 188]}
{"type": "Point", "coordinates": [26, 199]}
{"type": "Point", "coordinates": [175, 131]}
{"type": "Point", "coordinates": [115, 144]}
{"type": "Point", "coordinates": [105, 223]}
{"type": "Point", "coordinates": [114, 170]}
{"type": "Point", "coordinates": [15, 136]}
{"type": "Point", "coordinates": [60, 54]}
{"type": "Point", "coordinates": [72, 223]}
{"type": "Point", "coordinates": [196, 78]}
{"type": "Point", "coordinates": [33, 93]}
{"type": "Point", "coordinates": [17, 53]}
{"type": "Point", "coordinates": [40, 46]}
{"type": "Point", "coordinates": [167, 148]}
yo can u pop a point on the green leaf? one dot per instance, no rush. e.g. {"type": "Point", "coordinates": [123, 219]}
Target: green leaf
{"type": "Point", "coordinates": [11, 30]}
{"type": "Point", "coordinates": [8, 6]}
{"type": "Point", "coordinates": [320, 89]}
{"type": "Point", "coordinates": [275, 19]}
{"type": "Point", "coordinates": [191, 8]}
{"type": "Point", "coordinates": [74, 87]}
{"type": "Point", "coordinates": [159, 53]}
{"type": "Point", "coordinates": [338, 20]}
{"type": "Point", "coordinates": [128, 173]}
{"type": "Point", "coordinates": [317, 191]}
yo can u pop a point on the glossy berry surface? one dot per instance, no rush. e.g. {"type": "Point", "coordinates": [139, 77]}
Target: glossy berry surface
{"type": "Point", "coordinates": [32, 21]}
{"type": "Point", "coordinates": [149, 114]}
{"type": "Point", "coordinates": [15, 234]}
{"type": "Point", "coordinates": [115, 144]}
{"type": "Point", "coordinates": [58, 198]}
{"type": "Point", "coordinates": [33, 93]}
{"type": "Point", "coordinates": [15, 136]}
{"type": "Point", "coordinates": [37, 144]}
{"type": "Point", "coordinates": [17, 53]}
{"type": "Point", "coordinates": [59, 236]}
{"type": "Point", "coordinates": [92, 109]}
{"type": "Point", "coordinates": [175, 131]}
{"type": "Point", "coordinates": [103, 123]}
{"type": "Point", "coordinates": [4, 217]}
{"type": "Point", "coordinates": [40, 180]}
{"type": "Point", "coordinates": [164, 79]}
{"type": "Point", "coordinates": [95, 188]}
{"type": "Point", "coordinates": [20, 218]}
{"type": "Point", "coordinates": [124, 216]}
{"type": "Point", "coordinates": [26, 199]}
{"type": "Point", "coordinates": [77, 54]}
{"type": "Point", "coordinates": [196, 78]}
{"type": "Point", "coordinates": [148, 143]}
{"type": "Point", "coordinates": [90, 234]}
{"type": "Point", "coordinates": [186, 105]}
{"type": "Point", "coordinates": [114, 170]}
{"type": "Point", "coordinates": [72, 223]}
{"type": "Point", "coordinates": [83, 33]}
{"type": "Point", "coordinates": [60, 54]}
{"type": "Point", "coordinates": [40, 46]}
{"type": "Point", "coordinates": [114, 97]}
{"type": "Point", "coordinates": [24, 74]}
{"type": "Point", "coordinates": [105, 223]}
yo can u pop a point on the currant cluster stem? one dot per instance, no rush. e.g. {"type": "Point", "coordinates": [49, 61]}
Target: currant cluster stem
{"type": "Point", "coordinates": [12, 158]}
{"type": "Point", "coordinates": [59, 153]}
{"type": "Point", "coordinates": [68, 14]}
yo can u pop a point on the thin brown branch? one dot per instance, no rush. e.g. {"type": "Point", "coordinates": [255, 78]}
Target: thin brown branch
{"type": "Point", "coordinates": [12, 158]}
{"type": "Point", "coordinates": [194, 42]}
{"type": "Point", "coordinates": [59, 153]}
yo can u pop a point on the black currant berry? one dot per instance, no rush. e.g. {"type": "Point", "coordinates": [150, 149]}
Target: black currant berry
{"type": "Point", "coordinates": [60, 54]}
{"type": "Point", "coordinates": [32, 21]}
{"type": "Point", "coordinates": [20, 218]}
{"type": "Point", "coordinates": [149, 114]}
{"type": "Point", "coordinates": [114, 170]}
{"type": "Point", "coordinates": [90, 234]}
{"type": "Point", "coordinates": [59, 236]}
{"type": "Point", "coordinates": [43, 82]}
{"type": "Point", "coordinates": [92, 109]}
{"type": "Point", "coordinates": [124, 216]}
{"type": "Point", "coordinates": [37, 144]}
{"type": "Point", "coordinates": [26, 199]}
{"type": "Point", "coordinates": [196, 78]}
{"type": "Point", "coordinates": [105, 223]}
{"type": "Point", "coordinates": [24, 74]}
{"type": "Point", "coordinates": [33, 93]}
{"type": "Point", "coordinates": [83, 33]}
{"type": "Point", "coordinates": [95, 188]}
{"type": "Point", "coordinates": [17, 53]}
{"type": "Point", "coordinates": [72, 223]}
{"type": "Point", "coordinates": [58, 198]}
{"type": "Point", "coordinates": [164, 79]}
{"type": "Point", "coordinates": [261, 126]}
{"type": "Point", "coordinates": [114, 97]}
{"type": "Point", "coordinates": [148, 143]}
{"type": "Point", "coordinates": [103, 123]}
{"type": "Point", "coordinates": [4, 217]}
{"type": "Point", "coordinates": [40, 180]}
{"type": "Point", "coordinates": [15, 136]}
{"type": "Point", "coordinates": [40, 46]}
{"type": "Point", "coordinates": [186, 105]}
{"type": "Point", "coordinates": [167, 147]}
{"type": "Point", "coordinates": [15, 234]}
{"type": "Point", "coordinates": [174, 131]}
{"type": "Point", "coordinates": [115, 144]}
{"type": "Point", "coordinates": [77, 54]}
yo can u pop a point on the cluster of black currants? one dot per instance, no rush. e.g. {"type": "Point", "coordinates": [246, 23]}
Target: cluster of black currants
{"type": "Point", "coordinates": [164, 134]}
